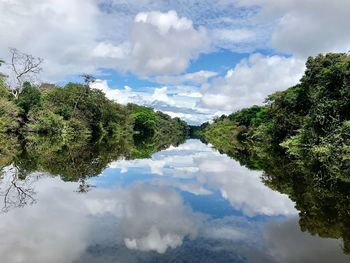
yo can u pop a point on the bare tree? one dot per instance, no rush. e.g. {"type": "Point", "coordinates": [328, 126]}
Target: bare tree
{"type": "Point", "coordinates": [25, 67]}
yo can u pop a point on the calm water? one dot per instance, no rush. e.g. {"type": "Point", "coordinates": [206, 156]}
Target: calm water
{"type": "Point", "coordinates": [184, 204]}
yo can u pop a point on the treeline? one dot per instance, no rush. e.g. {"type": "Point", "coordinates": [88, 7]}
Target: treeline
{"type": "Point", "coordinates": [77, 111]}
{"type": "Point", "coordinates": [309, 122]}
{"type": "Point", "coordinates": [300, 139]}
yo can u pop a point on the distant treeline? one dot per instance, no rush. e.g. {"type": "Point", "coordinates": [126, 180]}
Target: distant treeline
{"type": "Point", "coordinates": [77, 111]}
{"type": "Point", "coordinates": [309, 122]}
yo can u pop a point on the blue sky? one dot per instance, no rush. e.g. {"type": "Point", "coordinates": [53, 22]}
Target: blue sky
{"type": "Point", "coordinates": [192, 59]}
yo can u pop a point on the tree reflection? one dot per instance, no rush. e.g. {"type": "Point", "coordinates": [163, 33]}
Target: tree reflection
{"type": "Point", "coordinates": [76, 161]}
{"type": "Point", "coordinates": [15, 190]}
{"type": "Point", "coordinates": [84, 186]}
{"type": "Point", "coordinates": [323, 200]}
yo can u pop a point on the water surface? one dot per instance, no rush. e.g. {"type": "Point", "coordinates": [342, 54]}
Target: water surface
{"type": "Point", "coordinates": [184, 204]}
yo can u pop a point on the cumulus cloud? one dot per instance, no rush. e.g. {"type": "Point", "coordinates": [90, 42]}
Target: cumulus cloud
{"type": "Point", "coordinates": [75, 36]}
{"type": "Point", "coordinates": [251, 80]}
{"type": "Point", "coordinates": [308, 27]}
{"type": "Point", "coordinates": [61, 32]}
{"type": "Point", "coordinates": [219, 17]}
{"type": "Point", "coordinates": [160, 43]}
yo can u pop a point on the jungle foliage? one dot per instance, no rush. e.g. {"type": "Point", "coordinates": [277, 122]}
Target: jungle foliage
{"type": "Point", "coordinates": [76, 111]}
{"type": "Point", "coordinates": [300, 139]}
{"type": "Point", "coordinates": [309, 122]}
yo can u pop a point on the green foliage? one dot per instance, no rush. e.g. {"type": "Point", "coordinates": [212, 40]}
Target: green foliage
{"type": "Point", "coordinates": [46, 122]}
{"type": "Point", "coordinates": [155, 130]}
{"type": "Point", "coordinates": [9, 116]}
{"type": "Point", "coordinates": [309, 121]}
{"type": "Point", "coordinates": [29, 98]}
{"type": "Point", "coordinates": [223, 135]}
{"type": "Point", "coordinates": [245, 117]}
{"type": "Point", "coordinates": [96, 114]}
{"type": "Point", "coordinates": [145, 120]}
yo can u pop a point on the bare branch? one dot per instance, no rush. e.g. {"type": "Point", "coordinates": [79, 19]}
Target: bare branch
{"type": "Point", "coordinates": [15, 192]}
{"type": "Point", "coordinates": [24, 67]}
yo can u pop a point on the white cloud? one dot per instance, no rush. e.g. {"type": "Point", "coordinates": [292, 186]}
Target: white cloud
{"type": "Point", "coordinates": [128, 95]}
{"type": "Point", "coordinates": [108, 50]}
{"type": "Point", "coordinates": [76, 36]}
{"type": "Point", "coordinates": [251, 80]}
{"type": "Point", "coordinates": [215, 15]}
{"type": "Point", "coordinates": [177, 101]}
{"type": "Point", "coordinates": [164, 22]}
{"type": "Point", "coordinates": [236, 38]}
{"type": "Point", "coordinates": [160, 43]}
{"type": "Point", "coordinates": [198, 78]}
{"type": "Point", "coordinates": [60, 31]}
{"type": "Point", "coordinates": [307, 27]}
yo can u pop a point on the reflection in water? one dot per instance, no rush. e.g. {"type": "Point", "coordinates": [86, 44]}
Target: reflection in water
{"type": "Point", "coordinates": [140, 217]}
{"type": "Point", "coordinates": [15, 191]}
{"type": "Point", "coordinates": [196, 162]}
{"type": "Point", "coordinates": [185, 203]}
{"type": "Point", "coordinates": [287, 244]}
{"type": "Point", "coordinates": [323, 202]}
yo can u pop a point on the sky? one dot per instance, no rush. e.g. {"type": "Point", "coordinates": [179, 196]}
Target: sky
{"type": "Point", "coordinates": [193, 59]}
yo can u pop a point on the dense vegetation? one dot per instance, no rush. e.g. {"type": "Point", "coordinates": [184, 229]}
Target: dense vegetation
{"type": "Point", "coordinates": [77, 111]}
{"type": "Point", "coordinates": [309, 122]}
{"type": "Point", "coordinates": [301, 140]}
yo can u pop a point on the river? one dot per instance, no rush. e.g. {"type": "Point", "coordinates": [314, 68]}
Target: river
{"type": "Point", "coordinates": [184, 204]}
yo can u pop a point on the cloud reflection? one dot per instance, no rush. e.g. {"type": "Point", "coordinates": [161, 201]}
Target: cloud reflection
{"type": "Point", "coordinates": [63, 224]}
{"type": "Point", "coordinates": [286, 243]}
{"type": "Point", "coordinates": [206, 171]}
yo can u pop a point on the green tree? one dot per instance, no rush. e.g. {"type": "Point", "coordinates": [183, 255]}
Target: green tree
{"type": "Point", "coordinates": [29, 98]}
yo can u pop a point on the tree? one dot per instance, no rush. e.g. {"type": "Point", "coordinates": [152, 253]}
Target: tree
{"type": "Point", "coordinates": [24, 67]}
{"type": "Point", "coordinates": [88, 79]}
{"type": "Point", "coordinates": [29, 98]}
